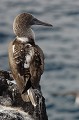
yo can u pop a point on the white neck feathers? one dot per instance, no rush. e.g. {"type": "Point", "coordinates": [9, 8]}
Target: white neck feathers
{"type": "Point", "coordinates": [29, 34]}
{"type": "Point", "coordinates": [23, 39]}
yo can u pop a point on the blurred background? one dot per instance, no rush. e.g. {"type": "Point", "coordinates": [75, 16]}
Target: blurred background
{"type": "Point", "coordinates": [60, 45]}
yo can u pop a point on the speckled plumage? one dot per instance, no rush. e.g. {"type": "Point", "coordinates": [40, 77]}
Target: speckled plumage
{"type": "Point", "coordinates": [21, 25]}
{"type": "Point", "coordinates": [26, 59]}
{"type": "Point", "coordinates": [26, 77]}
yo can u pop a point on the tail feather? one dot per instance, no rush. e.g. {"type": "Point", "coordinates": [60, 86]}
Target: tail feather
{"type": "Point", "coordinates": [32, 96]}
{"type": "Point", "coordinates": [27, 82]}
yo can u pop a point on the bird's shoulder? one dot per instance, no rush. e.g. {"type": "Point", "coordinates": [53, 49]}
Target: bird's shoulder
{"type": "Point", "coordinates": [39, 50]}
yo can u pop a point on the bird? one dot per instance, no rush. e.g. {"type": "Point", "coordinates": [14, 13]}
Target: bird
{"type": "Point", "coordinates": [26, 59]}
{"type": "Point", "coordinates": [74, 93]}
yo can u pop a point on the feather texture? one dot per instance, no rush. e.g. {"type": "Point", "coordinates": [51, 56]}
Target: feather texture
{"type": "Point", "coordinates": [27, 64]}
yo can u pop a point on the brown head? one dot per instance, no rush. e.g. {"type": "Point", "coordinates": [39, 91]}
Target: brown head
{"type": "Point", "coordinates": [23, 22]}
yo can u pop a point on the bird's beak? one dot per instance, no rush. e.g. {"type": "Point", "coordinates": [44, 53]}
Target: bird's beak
{"type": "Point", "coordinates": [38, 22]}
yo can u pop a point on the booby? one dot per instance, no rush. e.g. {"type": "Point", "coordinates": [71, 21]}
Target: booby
{"type": "Point", "coordinates": [26, 59]}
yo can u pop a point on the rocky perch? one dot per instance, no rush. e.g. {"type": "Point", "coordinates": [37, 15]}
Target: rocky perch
{"type": "Point", "coordinates": [12, 107]}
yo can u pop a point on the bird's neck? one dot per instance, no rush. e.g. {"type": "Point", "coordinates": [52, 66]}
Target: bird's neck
{"type": "Point", "coordinates": [28, 37]}
{"type": "Point", "coordinates": [23, 39]}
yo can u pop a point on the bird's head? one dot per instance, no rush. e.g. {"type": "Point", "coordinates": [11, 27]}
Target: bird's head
{"type": "Point", "coordinates": [23, 22]}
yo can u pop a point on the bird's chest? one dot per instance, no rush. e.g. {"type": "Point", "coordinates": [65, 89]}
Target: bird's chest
{"type": "Point", "coordinates": [23, 52]}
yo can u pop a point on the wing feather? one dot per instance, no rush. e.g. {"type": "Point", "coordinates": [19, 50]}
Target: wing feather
{"type": "Point", "coordinates": [27, 64]}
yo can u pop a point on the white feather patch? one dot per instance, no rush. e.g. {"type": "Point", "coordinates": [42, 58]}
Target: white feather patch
{"type": "Point", "coordinates": [28, 58]}
{"type": "Point", "coordinates": [23, 39]}
{"type": "Point", "coordinates": [13, 48]}
{"type": "Point", "coordinates": [32, 97]}
{"type": "Point", "coordinates": [26, 65]}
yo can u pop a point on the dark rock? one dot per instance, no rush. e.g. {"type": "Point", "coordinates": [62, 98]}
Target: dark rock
{"type": "Point", "coordinates": [12, 106]}
{"type": "Point", "coordinates": [9, 113]}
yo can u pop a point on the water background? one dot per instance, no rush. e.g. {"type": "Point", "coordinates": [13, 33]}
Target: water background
{"type": "Point", "coordinates": [60, 45]}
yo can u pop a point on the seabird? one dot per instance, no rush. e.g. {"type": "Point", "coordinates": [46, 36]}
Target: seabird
{"type": "Point", "coordinates": [26, 59]}
{"type": "Point", "coordinates": [72, 93]}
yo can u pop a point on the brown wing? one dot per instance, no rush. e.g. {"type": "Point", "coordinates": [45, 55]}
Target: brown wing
{"type": "Point", "coordinates": [37, 66]}
{"type": "Point", "coordinates": [16, 61]}
{"type": "Point", "coordinates": [25, 77]}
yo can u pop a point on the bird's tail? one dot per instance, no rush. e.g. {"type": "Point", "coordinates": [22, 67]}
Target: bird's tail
{"type": "Point", "coordinates": [32, 96]}
{"type": "Point", "coordinates": [27, 80]}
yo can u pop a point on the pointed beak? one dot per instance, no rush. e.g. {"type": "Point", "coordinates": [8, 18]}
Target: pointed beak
{"type": "Point", "coordinates": [38, 22]}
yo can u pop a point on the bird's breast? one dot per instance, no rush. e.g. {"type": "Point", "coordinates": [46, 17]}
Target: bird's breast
{"type": "Point", "coordinates": [23, 53]}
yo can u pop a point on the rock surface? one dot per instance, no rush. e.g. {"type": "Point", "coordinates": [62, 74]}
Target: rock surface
{"type": "Point", "coordinates": [12, 106]}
